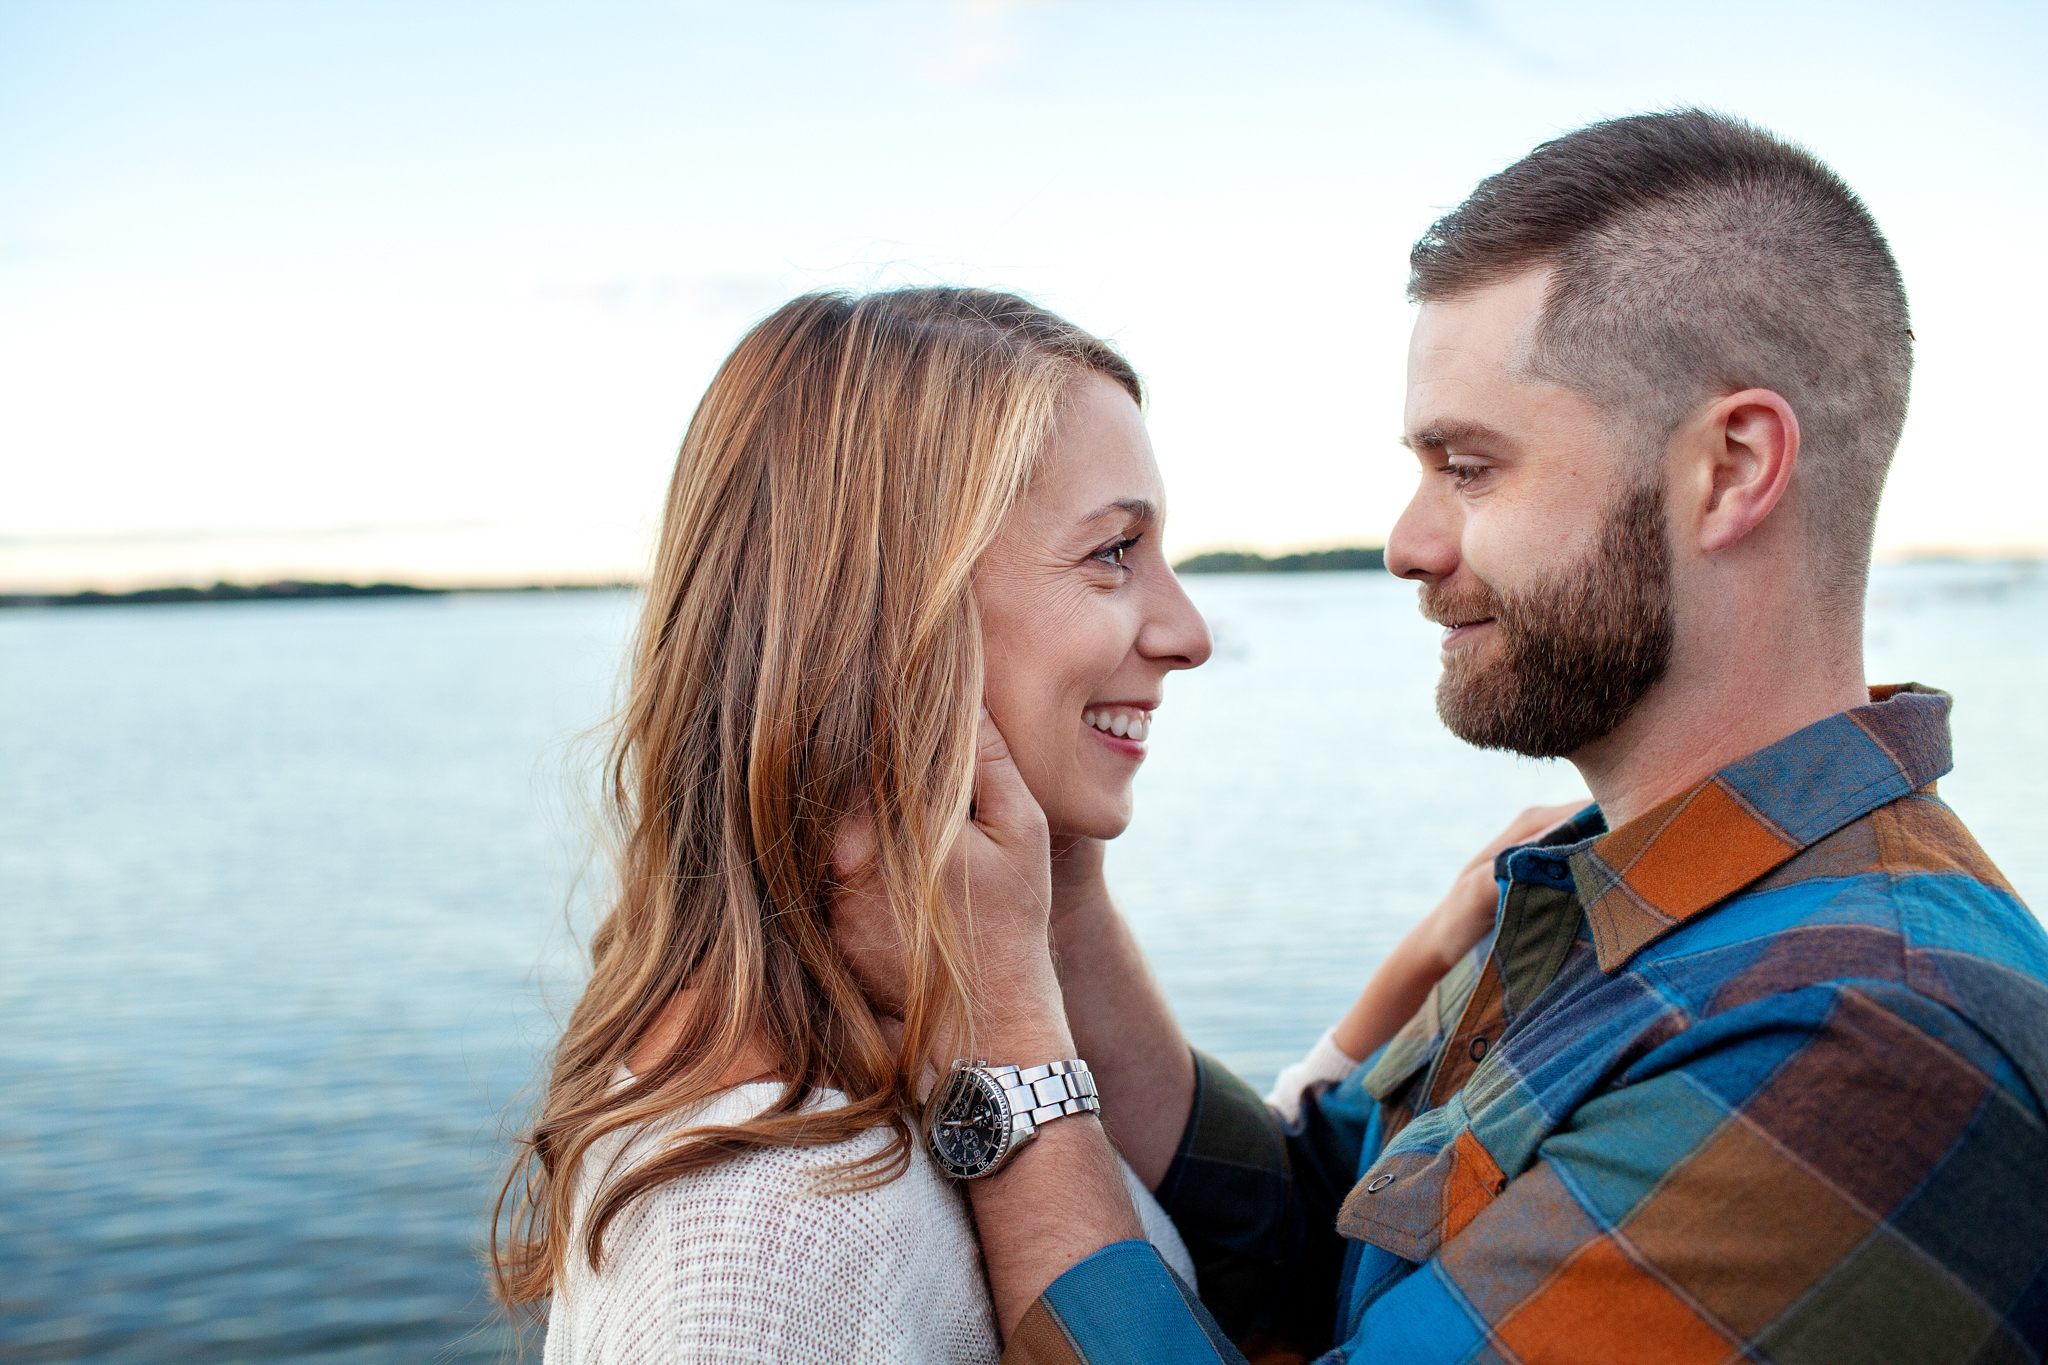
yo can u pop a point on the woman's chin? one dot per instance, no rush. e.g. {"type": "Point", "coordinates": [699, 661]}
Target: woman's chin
{"type": "Point", "coordinates": [1107, 823]}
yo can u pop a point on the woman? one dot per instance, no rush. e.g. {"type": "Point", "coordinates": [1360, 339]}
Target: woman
{"type": "Point", "coordinates": [887, 511]}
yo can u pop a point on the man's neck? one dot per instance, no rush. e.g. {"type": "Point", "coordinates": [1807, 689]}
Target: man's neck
{"type": "Point", "coordinates": [1708, 713]}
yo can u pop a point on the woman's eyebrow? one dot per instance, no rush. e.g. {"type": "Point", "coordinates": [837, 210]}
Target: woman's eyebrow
{"type": "Point", "coordinates": [1135, 508]}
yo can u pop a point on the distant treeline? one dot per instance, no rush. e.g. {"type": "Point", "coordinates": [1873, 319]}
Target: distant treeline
{"type": "Point", "coordinates": [1315, 561]}
{"type": "Point", "coordinates": [260, 592]}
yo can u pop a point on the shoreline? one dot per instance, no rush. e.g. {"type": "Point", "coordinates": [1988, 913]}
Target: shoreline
{"type": "Point", "coordinates": [1350, 559]}
{"type": "Point", "coordinates": [1310, 561]}
{"type": "Point", "coordinates": [286, 590]}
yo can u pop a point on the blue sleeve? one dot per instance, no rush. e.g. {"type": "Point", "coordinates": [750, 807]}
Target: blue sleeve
{"type": "Point", "coordinates": [1120, 1306]}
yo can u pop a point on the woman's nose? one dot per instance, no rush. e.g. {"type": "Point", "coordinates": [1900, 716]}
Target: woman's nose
{"type": "Point", "coordinates": [1176, 635]}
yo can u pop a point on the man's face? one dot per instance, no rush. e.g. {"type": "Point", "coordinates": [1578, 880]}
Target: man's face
{"type": "Point", "coordinates": [1537, 536]}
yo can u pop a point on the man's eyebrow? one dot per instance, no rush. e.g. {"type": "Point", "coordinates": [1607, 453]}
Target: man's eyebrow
{"type": "Point", "coordinates": [1437, 435]}
{"type": "Point", "coordinates": [1136, 508]}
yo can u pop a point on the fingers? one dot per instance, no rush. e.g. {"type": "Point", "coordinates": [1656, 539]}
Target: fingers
{"type": "Point", "coordinates": [865, 928]}
{"type": "Point", "coordinates": [1538, 821]}
{"type": "Point", "coordinates": [853, 845]}
{"type": "Point", "coordinates": [1527, 827]}
{"type": "Point", "coordinates": [1003, 806]}
{"type": "Point", "coordinates": [862, 922]}
{"type": "Point", "coordinates": [997, 874]}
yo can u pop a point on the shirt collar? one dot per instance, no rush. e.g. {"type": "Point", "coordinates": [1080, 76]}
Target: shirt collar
{"type": "Point", "coordinates": [1687, 855]}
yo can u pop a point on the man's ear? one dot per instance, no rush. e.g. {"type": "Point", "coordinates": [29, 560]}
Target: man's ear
{"type": "Point", "coordinates": [1748, 445]}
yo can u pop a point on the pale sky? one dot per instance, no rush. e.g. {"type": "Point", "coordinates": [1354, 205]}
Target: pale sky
{"type": "Point", "coordinates": [428, 290]}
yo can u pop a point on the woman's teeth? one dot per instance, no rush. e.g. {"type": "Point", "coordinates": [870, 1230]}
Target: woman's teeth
{"type": "Point", "coordinates": [1122, 724]}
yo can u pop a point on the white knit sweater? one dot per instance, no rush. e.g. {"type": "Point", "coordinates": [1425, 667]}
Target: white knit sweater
{"type": "Point", "coordinates": [751, 1261]}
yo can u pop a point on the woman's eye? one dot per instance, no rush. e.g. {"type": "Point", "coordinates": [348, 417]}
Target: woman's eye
{"type": "Point", "coordinates": [1113, 553]}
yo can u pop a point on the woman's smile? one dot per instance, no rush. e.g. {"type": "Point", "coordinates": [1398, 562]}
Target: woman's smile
{"type": "Point", "coordinates": [1122, 726]}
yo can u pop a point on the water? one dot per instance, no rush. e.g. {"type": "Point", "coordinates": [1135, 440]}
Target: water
{"type": "Point", "coordinates": [282, 895]}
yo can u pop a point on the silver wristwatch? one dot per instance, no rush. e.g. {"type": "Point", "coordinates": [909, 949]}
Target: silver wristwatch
{"type": "Point", "coordinates": [980, 1115]}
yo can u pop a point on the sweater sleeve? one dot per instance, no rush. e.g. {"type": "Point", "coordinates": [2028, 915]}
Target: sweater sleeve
{"type": "Point", "coordinates": [760, 1258]}
{"type": "Point", "coordinates": [1326, 1064]}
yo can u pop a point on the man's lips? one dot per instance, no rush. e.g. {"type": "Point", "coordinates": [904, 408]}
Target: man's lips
{"type": "Point", "coordinates": [1457, 631]}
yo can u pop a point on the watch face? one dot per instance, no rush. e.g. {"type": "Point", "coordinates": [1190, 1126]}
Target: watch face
{"type": "Point", "coordinates": [970, 1126]}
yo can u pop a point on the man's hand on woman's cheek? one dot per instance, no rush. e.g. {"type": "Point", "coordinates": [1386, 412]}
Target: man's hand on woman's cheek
{"type": "Point", "coordinates": [998, 880]}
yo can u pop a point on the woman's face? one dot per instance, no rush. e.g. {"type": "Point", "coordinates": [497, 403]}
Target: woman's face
{"type": "Point", "coordinates": [1081, 616]}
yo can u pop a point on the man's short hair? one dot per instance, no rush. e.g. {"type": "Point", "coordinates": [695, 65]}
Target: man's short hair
{"type": "Point", "coordinates": [1696, 255]}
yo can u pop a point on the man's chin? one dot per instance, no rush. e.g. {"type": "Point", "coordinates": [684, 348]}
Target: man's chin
{"type": "Point", "coordinates": [1489, 708]}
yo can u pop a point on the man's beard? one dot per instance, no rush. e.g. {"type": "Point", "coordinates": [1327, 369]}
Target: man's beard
{"type": "Point", "coordinates": [1573, 656]}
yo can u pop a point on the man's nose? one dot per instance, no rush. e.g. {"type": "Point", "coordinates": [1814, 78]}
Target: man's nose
{"type": "Point", "coordinates": [1424, 542]}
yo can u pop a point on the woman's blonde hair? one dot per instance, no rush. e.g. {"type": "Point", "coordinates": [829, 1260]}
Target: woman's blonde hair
{"type": "Point", "coordinates": [808, 649]}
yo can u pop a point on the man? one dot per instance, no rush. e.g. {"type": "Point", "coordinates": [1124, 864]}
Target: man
{"type": "Point", "coordinates": [1754, 1064]}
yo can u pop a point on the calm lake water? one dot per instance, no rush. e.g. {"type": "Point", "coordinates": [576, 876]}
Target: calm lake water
{"type": "Point", "coordinates": [283, 889]}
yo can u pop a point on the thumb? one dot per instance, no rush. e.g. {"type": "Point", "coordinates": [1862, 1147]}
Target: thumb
{"type": "Point", "coordinates": [1003, 806]}
{"type": "Point", "coordinates": [853, 844]}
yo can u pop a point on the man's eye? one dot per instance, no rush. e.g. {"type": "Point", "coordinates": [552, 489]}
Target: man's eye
{"type": "Point", "coordinates": [1463, 474]}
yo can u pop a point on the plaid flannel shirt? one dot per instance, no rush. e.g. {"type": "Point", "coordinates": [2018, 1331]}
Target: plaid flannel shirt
{"type": "Point", "coordinates": [1758, 1076]}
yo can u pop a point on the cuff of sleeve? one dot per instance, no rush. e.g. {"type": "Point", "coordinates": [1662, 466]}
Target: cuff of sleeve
{"type": "Point", "coordinates": [1119, 1306]}
{"type": "Point", "coordinates": [1325, 1062]}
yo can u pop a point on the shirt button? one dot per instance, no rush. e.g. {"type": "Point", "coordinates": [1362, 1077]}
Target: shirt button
{"type": "Point", "coordinates": [1379, 1182]}
{"type": "Point", "coordinates": [1478, 1048]}
{"type": "Point", "coordinates": [1556, 869]}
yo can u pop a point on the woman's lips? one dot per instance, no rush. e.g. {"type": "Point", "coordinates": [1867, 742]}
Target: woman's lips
{"type": "Point", "coordinates": [1120, 721]}
{"type": "Point", "coordinates": [1122, 728]}
{"type": "Point", "coordinates": [1456, 634]}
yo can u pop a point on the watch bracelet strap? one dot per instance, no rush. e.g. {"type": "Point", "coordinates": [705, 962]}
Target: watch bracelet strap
{"type": "Point", "coordinates": [1039, 1094]}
